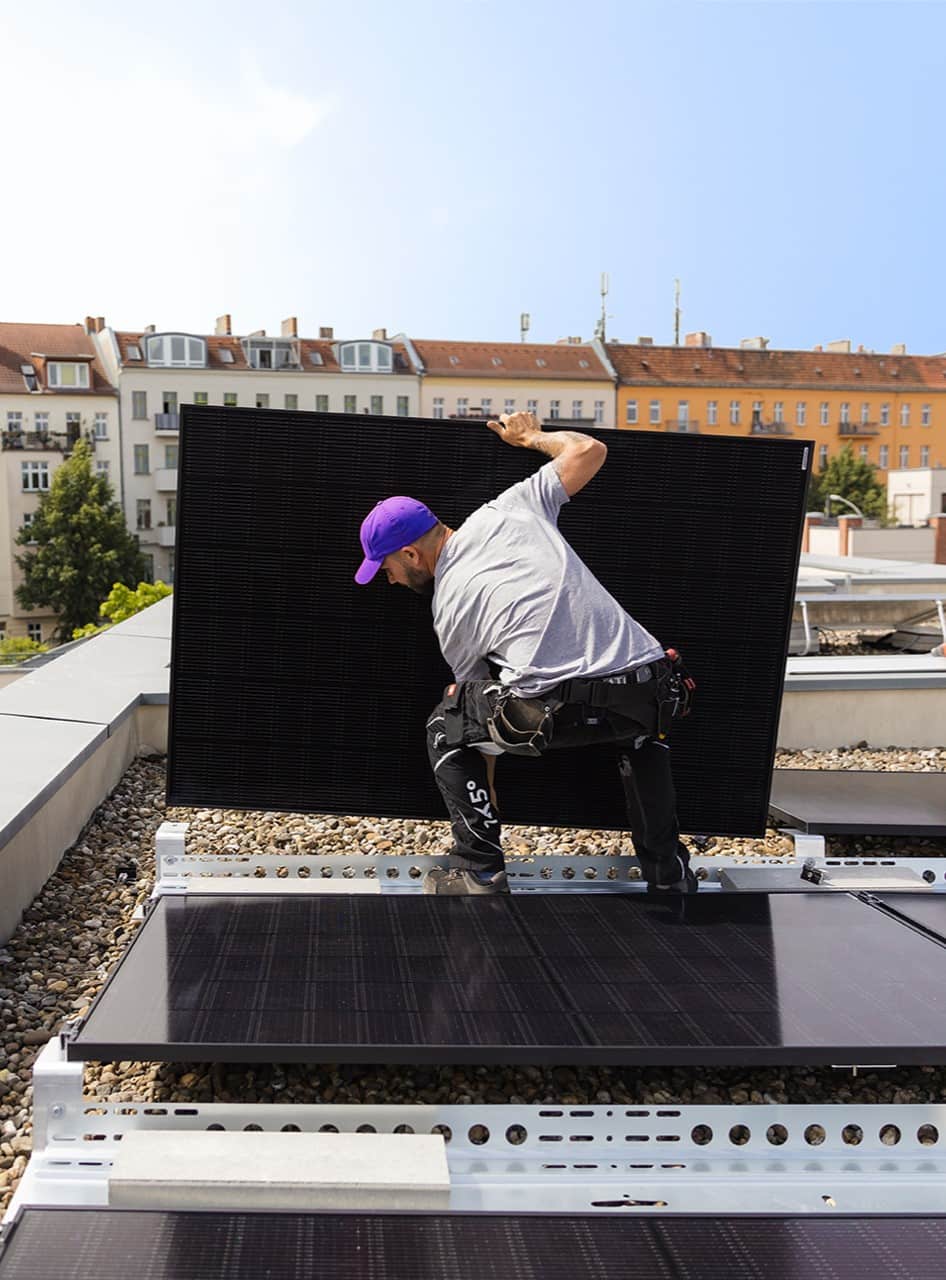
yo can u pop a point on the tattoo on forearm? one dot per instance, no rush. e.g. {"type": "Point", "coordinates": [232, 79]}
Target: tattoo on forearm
{"type": "Point", "coordinates": [553, 442]}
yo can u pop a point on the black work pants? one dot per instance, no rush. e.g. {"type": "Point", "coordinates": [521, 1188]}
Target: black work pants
{"type": "Point", "coordinates": [643, 763]}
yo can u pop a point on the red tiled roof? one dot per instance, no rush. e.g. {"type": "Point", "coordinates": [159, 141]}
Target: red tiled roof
{"type": "Point", "coordinates": [28, 343]}
{"type": "Point", "coordinates": [234, 344]}
{"type": "Point", "coordinates": [736, 367]}
{"type": "Point", "coordinates": [516, 360]}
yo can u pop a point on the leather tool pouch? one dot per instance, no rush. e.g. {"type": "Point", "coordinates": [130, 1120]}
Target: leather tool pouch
{"type": "Point", "coordinates": [521, 726]}
{"type": "Point", "coordinates": [453, 715]}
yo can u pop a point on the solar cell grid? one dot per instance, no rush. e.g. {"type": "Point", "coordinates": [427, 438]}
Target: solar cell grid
{"type": "Point", "coordinates": [167, 1245]}
{"type": "Point", "coordinates": [330, 717]}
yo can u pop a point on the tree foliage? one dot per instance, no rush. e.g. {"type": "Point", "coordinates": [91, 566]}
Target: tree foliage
{"type": "Point", "coordinates": [18, 648]}
{"type": "Point", "coordinates": [852, 478]}
{"type": "Point", "coordinates": [81, 546]}
{"type": "Point", "coordinates": [121, 603]}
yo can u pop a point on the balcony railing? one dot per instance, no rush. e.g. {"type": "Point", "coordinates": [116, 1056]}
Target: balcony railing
{"type": "Point", "coordinates": [681, 424]}
{"type": "Point", "coordinates": [167, 421]}
{"type": "Point", "coordinates": [165, 479]}
{"type": "Point", "coordinates": [858, 428]}
{"type": "Point", "coordinates": [46, 441]}
{"type": "Point", "coordinates": [770, 429]}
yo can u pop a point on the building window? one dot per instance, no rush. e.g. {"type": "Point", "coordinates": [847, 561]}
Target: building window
{"type": "Point", "coordinates": [41, 423]}
{"type": "Point", "coordinates": [35, 631]}
{"type": "Point", "coordinates": [509, 406]}
{"type": "Point", "coordinates": [924, 455]}
{"type": "Point", "coordinates": [149, 566]}
{"type": "Point", "coordinates": [139, 404]}
{"type": "Point", "coordinates": [27, 521]}
{"type": "Point", "coordinates": [778, 411]}
{"type": "Point", "coordinates": [862, 452]}
{"type": "Point", "coordinates": [925, 415]}
{"type": "Point", "coordinates": [532, 406]}
{"type": "Point", "coordinates": [262, 400]}
{"type": "Point", "coordinates": [169, 401]}
{"type": "Point", "coordinates": [365, 357]}
{"type": "Point", "coordinates": [683, 414]}
{"type": "Point", "coordinates": [171, 512]}
{"type": "Point", "coordinates": [68, 375]}
{"type": "Point", "coordinates": [865, 412]}
{"type": "Point", "coordinates": [463, 407]}
{"type": "Point", "coordinates": [885, 415]}
{"type": "Point", "coordinates": [578, 408]}
{"type": "Point", "coordinates": [884, 456]}
{"type": "Point", "coordinates": [403, 406]}
{"type": "Point", "coordinates": [823, 411]}
{"type": "Point", "coordinates": [34, 476]}
{"type": "Point", "coordinates": [734, 413]}
{"type": "Point", "coordinates": [351, 404]}
{"type": "Point", "coordinates": [712, 413]}
{"type": "Point", "coordinates": [822, 456]}
{"type": "Point", "coordinates": [904, 415]}
{"type": "Point", "coordinates": [654, 412]}
{"type": "Point", "coordinates": [321, 404]}
{"type": "Point", "coordinates": [904, 455]}
{"type": "Point", "coordinates": [143, 514]}
{"type": "Point", "coordinates": [229, 399]}
{"type": "Point", "coordinates": [101, 467]}
{"type": "Point", "coordinates": [100, 426]}
{"type": "Point", "coordinates": [845, 413]}
{"type": "Point", "coordinates": [438, 406]}
{"type": "Point", "coordinates": [290, 401]}
{"type": "Point", "coordinates": [176, 350]}
{"type": "Point", "coordinates": [377, 404]}
{"type": "Point", "coordinates": [757, 411]}
{"type": "Point", "coordinates": [142, 461]}
{"type": "Point", "coordinates": [14, 420]}
{"type": "Point", "coordinates": [487, 407]}
{"type": "Point", "coordinates": [555, 408]}
{"type": "Point", "coordinates": [73, 426]}
{"type": "Point", "coordinates": [599, 411]}
{"type": "Point", "coordinates": [201, 397]}
{"type": "Point", "coordinates": [801, 412]}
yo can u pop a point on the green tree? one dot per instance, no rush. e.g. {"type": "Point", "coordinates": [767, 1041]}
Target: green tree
{"type": "Point", "coordinates": [852, 478]}
{"type": "Point", "coordinates": [81, 546]}
{"type": "Point", "coordinates": [121, 603]}
{"type": "Point", "coordinates": [19, 648]}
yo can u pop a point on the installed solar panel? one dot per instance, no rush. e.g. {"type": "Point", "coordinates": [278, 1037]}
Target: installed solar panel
{"type": "Point", "coordinates": [925, 910]}
{"type": "Point", "coordinates": [294, 689]}
{"type": "Point", "coordinates": [174, 1245]}
{"type": "Point", "coordinates": [605, 978]}
{"type": "Point", "coordinates": [858, 802]}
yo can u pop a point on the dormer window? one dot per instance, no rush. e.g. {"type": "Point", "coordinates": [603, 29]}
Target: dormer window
{"type": "Point", "coordinates": [61, 374]}
{"type": "Point", "coordinates": [133, 351]}
{"type": "Point", "coordinates": [176, 351]}
{"type": "Point", "coordinates": [29, 377]}
{"type": "Point", "coordinates": [365, 357]}
{"type": "Point", "coordinates": [271, 353]}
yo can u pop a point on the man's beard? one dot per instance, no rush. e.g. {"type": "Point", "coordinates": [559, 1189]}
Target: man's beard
{"type": "Point", "coordinates": [419, 581]}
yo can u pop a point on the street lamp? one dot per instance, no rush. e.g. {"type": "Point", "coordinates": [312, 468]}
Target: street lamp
{"type": "Point", "coordinates": [836, 497]}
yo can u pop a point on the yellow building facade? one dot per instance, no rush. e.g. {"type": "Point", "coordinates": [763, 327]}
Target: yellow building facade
{"type": "Point", "coordinates": [891, 409]}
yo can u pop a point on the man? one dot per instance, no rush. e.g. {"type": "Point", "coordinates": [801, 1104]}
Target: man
{"type": "Point", "coordinates": [541, 654]}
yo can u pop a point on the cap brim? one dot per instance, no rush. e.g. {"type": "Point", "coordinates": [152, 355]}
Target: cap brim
{"type": "Point", "coordinates": [367, 571]}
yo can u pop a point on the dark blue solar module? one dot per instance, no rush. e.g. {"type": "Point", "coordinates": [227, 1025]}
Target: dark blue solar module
{"type": "Point", "coordinates": [110, 1244]}
{"type": "Point", "coordinates": [603, 978]}
{"type": "Point", "coordinates": [294, 689]}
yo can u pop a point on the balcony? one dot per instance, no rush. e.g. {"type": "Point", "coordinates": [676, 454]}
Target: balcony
{"type": "Point", "coordinates": [770, 429]}
{"type": "Point", "coordinates": [167, 422]}
{"type": "Point", "coordinates": [681, 424]}
{"type": "Point", "coordinates": [166, 535]}
{"type": "Point", "coordinates": [165, 479]}
{"type": "Point", "coordinates": [46, 441]}
{"type": "Point", "coordinates": [858, 428]}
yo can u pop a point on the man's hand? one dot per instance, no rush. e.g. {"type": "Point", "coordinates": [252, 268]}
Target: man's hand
{"type": "Point", "coordinates": [578, 458]}
{"type": "Point", "coordinates": [520, 429]}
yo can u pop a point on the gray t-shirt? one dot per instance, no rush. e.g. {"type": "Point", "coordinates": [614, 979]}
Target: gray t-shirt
{"type": "Point", "coordinates": [508, 587]}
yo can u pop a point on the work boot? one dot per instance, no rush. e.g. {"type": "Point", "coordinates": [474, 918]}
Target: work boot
{"type": "Point", "coordinates": [458, 881]}
{"type": "Point", "coordinates": [675, 877]}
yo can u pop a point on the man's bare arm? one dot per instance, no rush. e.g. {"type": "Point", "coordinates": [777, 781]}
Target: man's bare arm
{"type": "Point", "coordinates": [578, 458]}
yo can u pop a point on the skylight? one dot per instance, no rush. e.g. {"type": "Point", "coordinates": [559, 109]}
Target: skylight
{"type": "Point", "coordinates": [497, 360]}
{"type": "Point", "coordinates": [584, 364]}
{"type": "Point", "coordinates": [316, 357]}
{"type": "Point", "coordinates": [225, 355]}
{"type": "Point", "coordinates": [541, 362]}
{"type": "Point", "coordinates": [454, 359]}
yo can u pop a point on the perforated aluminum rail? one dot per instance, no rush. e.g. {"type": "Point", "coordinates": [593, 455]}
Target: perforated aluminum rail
{"type": "Point", "coordinates": [716, 1159]}
{"type": "Point", "coordinates": [175, 867]}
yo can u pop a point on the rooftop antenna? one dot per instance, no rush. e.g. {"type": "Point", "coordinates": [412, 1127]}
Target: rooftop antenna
{"type": "Point", "coordinates": [601, 326]}
{"type": "Point", "coordinates": [524, 322]}
{"type": "Point", "coordinates": [676, 313]}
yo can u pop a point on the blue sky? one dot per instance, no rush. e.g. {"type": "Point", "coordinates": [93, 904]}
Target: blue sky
{"type": "Point", "coordinates": [441, 167]}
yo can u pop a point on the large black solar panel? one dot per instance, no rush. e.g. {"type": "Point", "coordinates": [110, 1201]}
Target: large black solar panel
{"type": "Point", "coordinates": [550, 978]}
{"type": "Point", "coordinates": [860, 802]}
{"type": "Point", "coordinates": [292, 688]}
{"type": "Point", "coordinates": [111, 1244]}
{"type": "Point", "coordinates": [926, 911]}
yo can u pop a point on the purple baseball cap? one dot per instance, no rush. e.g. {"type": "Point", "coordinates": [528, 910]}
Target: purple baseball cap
{"type": "Point", "coordinates": [392, 524]}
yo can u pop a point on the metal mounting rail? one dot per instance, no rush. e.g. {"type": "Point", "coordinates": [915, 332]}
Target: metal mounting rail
{"type": "Point", "coordinates": [718, 1159]}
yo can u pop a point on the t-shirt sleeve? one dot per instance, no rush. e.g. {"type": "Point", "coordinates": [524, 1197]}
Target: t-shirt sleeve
{"type": "Point", "coordinates": [543, 493]}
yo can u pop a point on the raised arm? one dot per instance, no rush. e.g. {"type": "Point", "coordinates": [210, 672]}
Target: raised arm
{"type": "Point", "coordinates": [578, 458]}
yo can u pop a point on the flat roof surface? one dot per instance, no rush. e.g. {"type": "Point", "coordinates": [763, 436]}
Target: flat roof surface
{"type": "Point", "coordinates": [860, 802]}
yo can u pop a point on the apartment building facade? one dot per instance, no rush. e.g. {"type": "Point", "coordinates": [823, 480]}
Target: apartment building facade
{"type": "Point", "coordinates": [890, 408]}
{"type": "Point", "coordinates": [54, 391]}
{"type": "Point", "coordinates": [569, 383]}
{"type": "Point", "coordinates": [157, 372]}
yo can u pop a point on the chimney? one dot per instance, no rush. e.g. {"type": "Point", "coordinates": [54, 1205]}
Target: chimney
{"type": "Point", "coordinates": [898, 349]}
{"type": "Point", "coordinates": [257, 333]}
{"type": "Point", "coordinates": [812, 519]}
{"type": "Point", "coordinates": [290, 328]}
{"type": "Point", "coordinates": [379, 335]}
{"type": "Point", "coordinates": [645, 342]}
{"type": "Point", "coordinates": [939, 546]}
{"type": "Point", "coordinates": [753, 344]}
{"type": "Point", "coordinates": [819, 347]}
{"type": "Point", "coordinates": [698, 339]}
{"type": "Point", "coordinates": [224, 326]}
{"type": "Point", "coordinates": [841, 347]}
{"type": "Point", "coordinates": [845, 525]}
{"type": "Point", "coordinates": [90, 324]}
{"type": "Point", "coordinates": [326, 333]}
{"type": "Point", "coordinates": [149, 328]}
{"type": "Point", "coordinates": [99, 323]}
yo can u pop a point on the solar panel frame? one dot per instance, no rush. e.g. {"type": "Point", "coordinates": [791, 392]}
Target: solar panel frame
{"type": "Point", "coordinates": [860, 802]}
{"type": "Point", "coordinates": [298, 725]}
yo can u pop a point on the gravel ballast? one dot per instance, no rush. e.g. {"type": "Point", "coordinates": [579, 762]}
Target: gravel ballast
{"type": "Point", "coordinates": [77, 928]}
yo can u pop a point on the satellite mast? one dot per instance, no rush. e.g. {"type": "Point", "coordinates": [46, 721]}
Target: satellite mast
{"type": "Point", "coordinates": [524, 322]}
{"type": "Point", "coordinates": [676, 312]}
{"type": "Point", "coordinates": [603, 321]}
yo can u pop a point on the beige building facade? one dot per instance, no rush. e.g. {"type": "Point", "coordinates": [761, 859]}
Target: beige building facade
{"type": "Point", "coordinates": [53, 392]}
